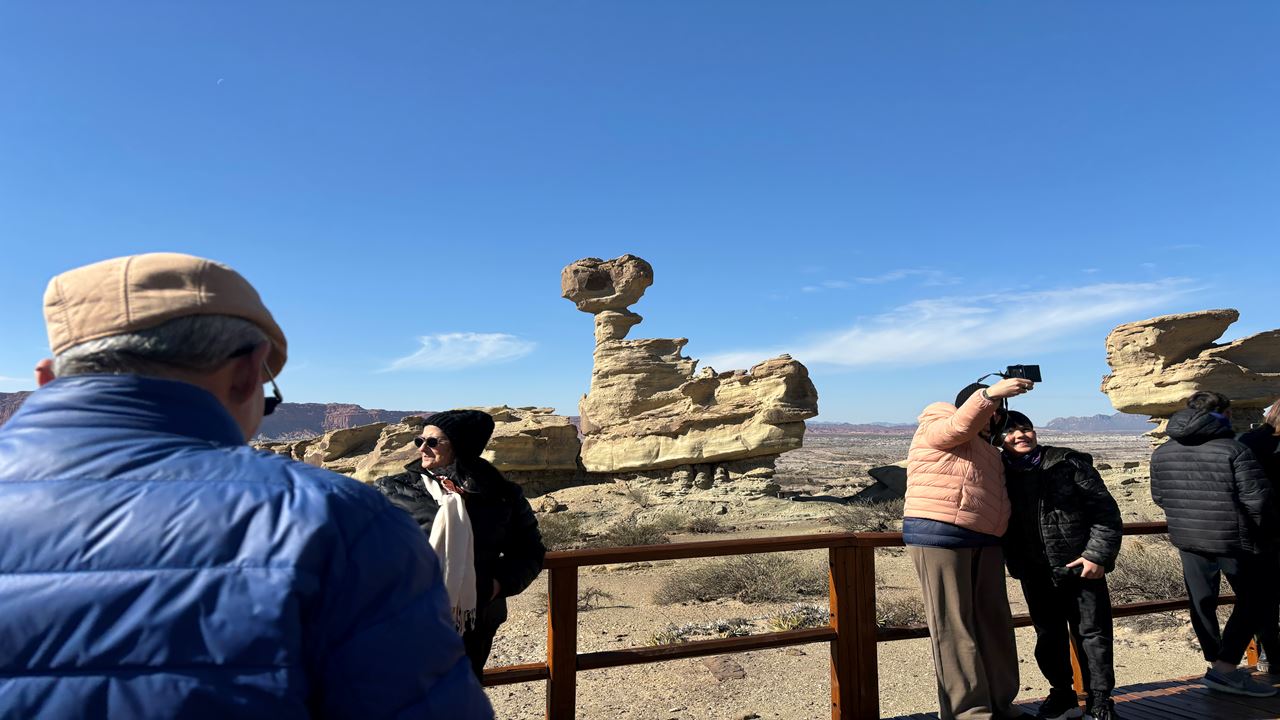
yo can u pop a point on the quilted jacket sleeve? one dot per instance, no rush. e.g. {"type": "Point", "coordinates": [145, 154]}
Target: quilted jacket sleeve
{"type": "Point", "coordinates": [1106, 528]}
{"type": "Point", "coordinates": [1253, 491]}
{"type": "Point", "coordinates": [391, 649]}
{"type": "Point", "coordinates": [522, 557]}
{"type": "Point", "coordinates": [943, 431]}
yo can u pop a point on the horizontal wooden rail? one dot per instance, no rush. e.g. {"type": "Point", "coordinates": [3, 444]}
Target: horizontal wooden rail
{"type": "Point", "coordinates": [700, 648]}
{"type": "Point", "coordinates": [852, 633]}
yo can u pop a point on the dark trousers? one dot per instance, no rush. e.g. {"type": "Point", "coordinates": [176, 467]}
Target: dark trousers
{"type": "Point", "coordinates": [1073, 611]}
{"type": "Point", "coordinates": [1269, 632]}
{"type": "Point", "coordinates": [478, 643]}
{"type": "Point", "coordinates": [1250, 577]}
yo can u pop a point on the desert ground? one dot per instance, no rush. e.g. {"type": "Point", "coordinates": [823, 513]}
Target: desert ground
{"type": "Point", "coordinates": [791, 683]}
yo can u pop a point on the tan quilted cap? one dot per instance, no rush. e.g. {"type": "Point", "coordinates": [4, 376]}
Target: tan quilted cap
{"type": "Point", "coordinates": [138, 292]}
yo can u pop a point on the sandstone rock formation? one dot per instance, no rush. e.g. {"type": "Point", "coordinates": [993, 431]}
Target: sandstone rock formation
{"type": "Point", "coordinates": [648, 410]}
{"type": "Point", "coordinates": [9, 404]}
{"type": "Point", "coordinates": [525, 442]}
{"type": "Point", "coordinates": [1157, 364]}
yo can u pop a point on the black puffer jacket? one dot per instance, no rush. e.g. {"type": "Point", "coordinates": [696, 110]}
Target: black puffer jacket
{"type": "Point", "coordinates": [1265, 445]}
{"type": "Point", "coordinates": [1061, 511]}
{"type": "Point", "coordinates": [1215, 495]}
{"type": "Point", "coordinates": [508, 547]}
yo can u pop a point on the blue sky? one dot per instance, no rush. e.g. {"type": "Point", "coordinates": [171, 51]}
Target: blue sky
{"type": "Point", "coordinates": [904, 196]}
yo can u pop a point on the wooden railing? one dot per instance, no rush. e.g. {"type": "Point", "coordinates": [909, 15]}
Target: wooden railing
{"type": "Point", "coordinates": [852, 633]}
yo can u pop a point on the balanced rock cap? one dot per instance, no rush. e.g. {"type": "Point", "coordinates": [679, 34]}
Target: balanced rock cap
{"type": "Point", "coordinates": [138, 292]}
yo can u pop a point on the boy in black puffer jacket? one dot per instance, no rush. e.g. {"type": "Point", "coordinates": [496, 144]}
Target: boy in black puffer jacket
{"type": "Point", "coordinates": [1222, 520]}
{"type": "Point", "coordinates": [1064, 535]}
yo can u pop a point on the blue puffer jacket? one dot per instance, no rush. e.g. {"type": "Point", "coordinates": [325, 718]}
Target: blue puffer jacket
{"type": "Point", "coordinates": [154, 566]}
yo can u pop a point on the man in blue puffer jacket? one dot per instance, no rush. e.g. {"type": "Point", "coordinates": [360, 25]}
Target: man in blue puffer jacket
{"type": "Point", "coordinates": [152, 565]}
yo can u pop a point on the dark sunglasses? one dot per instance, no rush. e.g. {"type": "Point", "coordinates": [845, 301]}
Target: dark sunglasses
{"type": "Point", "coordinates": [269, 404]}
{"type": "Point", "coordinates": [431, 442]}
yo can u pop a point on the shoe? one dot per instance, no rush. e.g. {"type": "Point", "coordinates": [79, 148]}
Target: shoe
{"type": "Point", "coordinates": [1060, 705]}
{"type": "Point", "coordinates": [1102, 709]}
{"type": "Point", "coordinates": [1236, 682]}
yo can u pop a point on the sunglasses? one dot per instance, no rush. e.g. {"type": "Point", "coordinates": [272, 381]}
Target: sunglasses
{"type": "Point", "coordinates": [269, 404]}
{"type": "Point", "coordinates": [431, 442]}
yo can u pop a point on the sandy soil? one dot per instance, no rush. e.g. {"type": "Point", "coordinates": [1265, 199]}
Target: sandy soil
{"type": "Point", "coordinates": [793, 683]}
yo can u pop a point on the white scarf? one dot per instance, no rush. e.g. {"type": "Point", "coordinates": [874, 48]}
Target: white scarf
{"type": "Point", "coordinates": [454, 544]}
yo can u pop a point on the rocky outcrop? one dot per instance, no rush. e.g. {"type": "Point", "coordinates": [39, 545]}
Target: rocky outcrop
{"type": "Point", "coordinates": [531, 441]}
{"type": "Point", "coordinates": [9, 404]}
{"type": "Point", "coordinates": [1157, 364]}
{"type": "Point", "coordinates": [648, 409]}
{"type": "Point", "coordinates": [295, 421]}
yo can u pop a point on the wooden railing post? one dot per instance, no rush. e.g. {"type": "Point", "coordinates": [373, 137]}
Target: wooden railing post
{"type": "Point", "coordinates": [1077, 677]}
{"type": "Point", "coordinates": [855, 679]}
{"type": "Point", "coordinates": [562, 642]}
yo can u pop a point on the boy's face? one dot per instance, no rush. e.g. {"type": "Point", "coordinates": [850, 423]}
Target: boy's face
{"type": "Point", "coordinates": [1020, 440]}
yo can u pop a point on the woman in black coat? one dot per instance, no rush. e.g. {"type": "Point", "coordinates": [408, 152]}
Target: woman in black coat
{"type": "Point", "coordinates": [470, 511]}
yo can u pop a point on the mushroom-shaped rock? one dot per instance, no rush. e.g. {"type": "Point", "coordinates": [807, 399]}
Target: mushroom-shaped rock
{"type": "Point", "coordinates": [596, 285]}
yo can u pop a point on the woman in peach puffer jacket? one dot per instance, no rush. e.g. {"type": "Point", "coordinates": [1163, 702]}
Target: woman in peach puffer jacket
{"type": "Point", "coordinates": [957, 508]}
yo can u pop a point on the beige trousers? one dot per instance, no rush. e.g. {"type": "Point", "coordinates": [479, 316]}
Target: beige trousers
{"type": "Point", "coordinates": [971, 630]}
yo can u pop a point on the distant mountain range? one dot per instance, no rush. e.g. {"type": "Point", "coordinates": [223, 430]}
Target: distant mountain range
{"type": "Point", "coordinates": [290, 421]}
{"type": "Point", "coordinates": [301, 420]}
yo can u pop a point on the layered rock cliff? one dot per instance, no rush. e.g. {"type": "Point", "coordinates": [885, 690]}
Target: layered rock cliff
{"type": "Point", "coordinates": [1156, 364]}
{"type": "Point", "coordinates": [649, 409]}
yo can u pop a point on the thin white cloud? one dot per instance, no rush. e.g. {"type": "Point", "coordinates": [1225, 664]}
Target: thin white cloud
{"type": "Point", "coordinates": [954, 328]}
{"type": "Point", "coordinates": [454, 351]}
{"type": "Point", "coordinates": [929, 277]}
{"type": "Point", "coordinates": [14, 384]}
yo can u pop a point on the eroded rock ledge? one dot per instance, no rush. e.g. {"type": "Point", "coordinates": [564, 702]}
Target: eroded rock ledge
{"type": "Point", "coordinates": [647, 408]}
{"type": "Point", "coordinates": [1157, 364]}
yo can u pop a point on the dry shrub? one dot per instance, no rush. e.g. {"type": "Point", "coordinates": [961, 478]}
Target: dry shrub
{"type": "Point", "coordinates": [630, 531]}
{"type": "Point", "coordinates": [705, 525]}
{"type": "Point", "coordinates": [869, 516]}
{"type": "Point", "coordinates": [670, 521]}
{"type": "Point", "coordinates": [773, 577]}
{"type": "Point", "coordinates": [1147, 570]}
{"type": "Point", "coordinates": [590, 598]}
{"type": "Point", "coordinates": [561, 531]}
{"type": "Point", "coordinates": [899, 609]}
{"type": "Point", "coordinates": [635, 494]}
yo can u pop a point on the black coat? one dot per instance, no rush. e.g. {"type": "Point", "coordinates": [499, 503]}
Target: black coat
{"type": "Point", "coordinates": [1265, 445]}
{"type": "Point", "coordinates": [508, 547]}
{"type": "Point", "coordinates": [1215, 495]}
{"type": "Point", "coordinates": [1060, 511]}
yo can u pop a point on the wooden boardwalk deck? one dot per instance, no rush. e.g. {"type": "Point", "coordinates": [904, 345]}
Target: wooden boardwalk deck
{"type": "Point", "coordinates": [1183, 699]}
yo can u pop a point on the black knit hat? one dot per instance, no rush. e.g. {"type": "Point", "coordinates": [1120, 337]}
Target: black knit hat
{"type": "Point", "coordinates": [468, 430]}
{"type": "Point", "coordinates": [968, 391]}
{"type": "Point", "coordinates": [1018, 420]}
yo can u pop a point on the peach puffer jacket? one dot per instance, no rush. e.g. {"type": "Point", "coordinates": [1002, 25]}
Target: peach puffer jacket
{"type": "Point", "coordinates": [953, 475]}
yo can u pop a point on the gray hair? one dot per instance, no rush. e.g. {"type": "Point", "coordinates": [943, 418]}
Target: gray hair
{"type": "Point", "coordinates": [197, 343]}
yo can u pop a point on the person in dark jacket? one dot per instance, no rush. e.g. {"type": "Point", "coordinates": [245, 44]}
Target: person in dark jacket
{"type": "Point", "coordinates": [479, 523]}
{"type": "Point", "coordinates": [153, 565]}
{"type": "Point", "coordinates": [1264, 442]}
{"type": "Point", "coordinates": [1222, 519]}
{"type": "Point", "coordinates": [1064, 535]}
